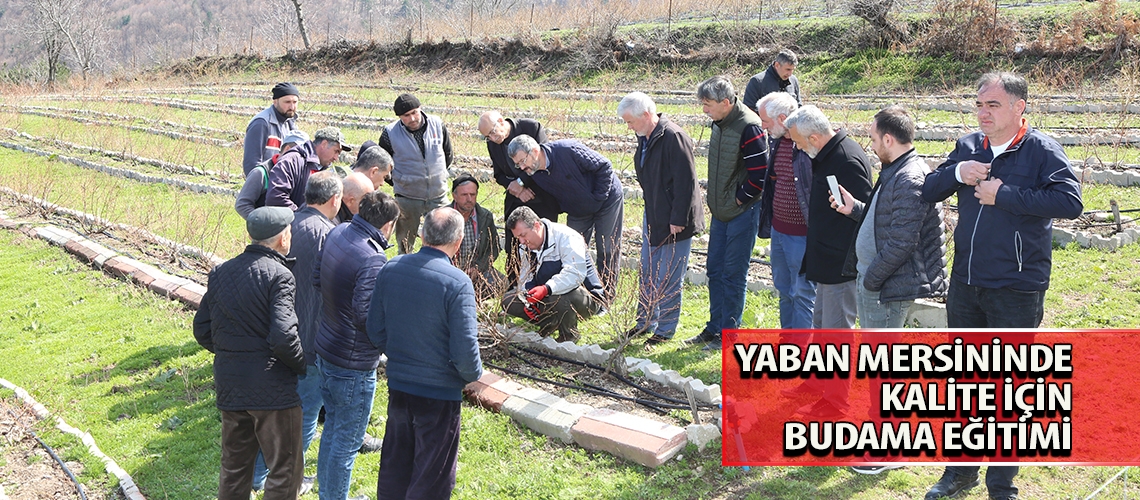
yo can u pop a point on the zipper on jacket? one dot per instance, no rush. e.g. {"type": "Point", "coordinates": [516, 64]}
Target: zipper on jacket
{"type": "Point", "coordinates": [1017, 248]}
{"type": "Point", "coordinates": [970, 261]}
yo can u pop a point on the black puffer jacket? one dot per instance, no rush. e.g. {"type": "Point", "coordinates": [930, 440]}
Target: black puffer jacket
{"type": "Point", "coordinates": [910, 244]}
{"type": "Point", "coordinates": [247, 320]}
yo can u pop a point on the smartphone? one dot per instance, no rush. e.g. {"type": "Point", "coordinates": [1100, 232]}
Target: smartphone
{"type": "Point", "coordinates": [834, 186]}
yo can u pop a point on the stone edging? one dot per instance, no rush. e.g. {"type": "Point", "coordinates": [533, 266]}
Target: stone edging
{"type": "Point", "coordinates": [126, 482]}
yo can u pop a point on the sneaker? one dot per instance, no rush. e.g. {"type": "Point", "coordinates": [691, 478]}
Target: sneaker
{"type": "Point", "coordinates": [371, 444]}
{"type": "Point", "coordinates": [952, 484]}
{"type": "Point", "coordinates": [874, 469]}
{"type": "Point", "coordinates": [705, 337]}
{"type": "Point", "coordinates": [655, 340]}
{"type": "Point", "coordinates": [820, 410]}
{"type": "Point", "coordinates": [307, 484]}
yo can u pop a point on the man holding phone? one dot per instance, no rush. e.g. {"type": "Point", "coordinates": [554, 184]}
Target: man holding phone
{"type": "Point", "coordinates": [829, 237]}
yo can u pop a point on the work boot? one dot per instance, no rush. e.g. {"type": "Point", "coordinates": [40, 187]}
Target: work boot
{"type": "Point", "coordinates": [952, 484]}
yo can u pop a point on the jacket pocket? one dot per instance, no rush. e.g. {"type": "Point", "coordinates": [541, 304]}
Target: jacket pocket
{"type": "Point", "coordinates": [1017, 249]}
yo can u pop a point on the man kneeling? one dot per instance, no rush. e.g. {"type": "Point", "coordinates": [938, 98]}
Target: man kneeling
{"type": "Point", "coordinates": [557, 279]}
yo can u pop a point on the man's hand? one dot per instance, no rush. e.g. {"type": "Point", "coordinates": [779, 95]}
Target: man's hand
{"type": "Point", "coordinates": [848, 201]}
{"type": "Point", "coordinates": [986, 191]}
{"type": "Point", "coordinates": [674, 229]}
{"type": "Point", "coordinates": [536, 294]}
{"type": "Point", "coordinates": [522, 193]}
{"type": "Point", "coordinates": [973, 172]}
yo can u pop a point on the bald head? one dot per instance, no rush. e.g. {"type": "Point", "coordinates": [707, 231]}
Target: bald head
{"type": "Point", "coordinates": [356, 185]}
{"type": "Point", "coordinates": [494, 127]}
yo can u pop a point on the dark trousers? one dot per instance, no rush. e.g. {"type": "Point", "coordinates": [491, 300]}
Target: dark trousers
{"type": "Point", "coordinates": [421, 448]}
{"type": "Point", "coordinates": [557, 311]}
{"type": "Point", "coordinates": [543, 207]}
{"type": "Point", "coordinates": [975, 307]}
{"type": "Point", "coordinates": [278, 434]}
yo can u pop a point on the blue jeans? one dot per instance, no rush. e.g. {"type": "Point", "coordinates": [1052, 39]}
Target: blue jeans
{"type": "Point", "coordinates": [797, 294]}
{"type": "Point", "coordinates": [605, 226]}
{"type": "Point", "coordinates": [309, 388]}
{"type": "Point", "coordinates": [659, 284]}
{"type": "Point", "coordinates": [348, 403]}
{"type": "Point", "coordinates": [730, 251]}
{"type": "Point", "coordinates": [876, 314]}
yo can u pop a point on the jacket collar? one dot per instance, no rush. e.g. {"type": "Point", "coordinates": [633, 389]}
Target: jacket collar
{"type": "Point", "coordinates": [737, 110]}
{"type": "Point", "coordinates": [372, 232]}
{"type": "Point", "coordinates": [659, 130]}
{"type": "Point", "coordinates": [1016, 138]}
{"type": "Point", "coordinates": [832, 144]}
{"type": "Point", "coordinates": [269, 252]}
{"type": "Point", "coordinates": [776, 76]}
{"type": "Point", "coordinates": [434, 253]}
{"type": "Point", "coordinates": [890, 169]}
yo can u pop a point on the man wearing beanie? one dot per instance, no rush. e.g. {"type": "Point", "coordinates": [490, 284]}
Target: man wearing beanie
{"type": "Point", "coordinates": [247, 320]}
{"type": "Point", "coordinates": [266, 131]}
{"type": "Point", "coordinates": [421, 152]}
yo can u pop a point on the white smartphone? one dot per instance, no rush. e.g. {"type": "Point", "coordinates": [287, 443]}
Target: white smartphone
{"type": "Point", "coordinates": [834, 186]}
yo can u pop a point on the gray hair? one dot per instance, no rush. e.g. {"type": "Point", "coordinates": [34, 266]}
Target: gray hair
{"type": "Point", "coordinates": [717, 88]}
{"type": "Point", "coordinates": [373, 157]}
{"type": "Point", "coordinates": [787, 57]}
{"type": "Point", "coordinates": [378, 208]}
{"type": "Point", "coordinates": [442, 226]}
{"type": "Point", "coordinates": [522, 143]}
{"type": "Point", "coordinates": [522, 215]}
{"type": "Point", "coordinates": [1012, 83]}
{"type": "Point", "coordinates": [808, 120]}
{"type": "Point", "coordinates": [322, 186]}
{"type": "Point", "coordinates": [777, 103]}
{"type": "Point", "coordinates": [636, 104]}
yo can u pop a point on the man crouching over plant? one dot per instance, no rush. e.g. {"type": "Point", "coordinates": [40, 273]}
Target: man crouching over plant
{"type": "Point", "coordinates": [247, 320]}
{"type": "Point", "coordinates": [557, 279]}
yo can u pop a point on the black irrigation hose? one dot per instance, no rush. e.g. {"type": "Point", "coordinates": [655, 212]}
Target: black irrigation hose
{"type": "Point", "coordinates": [619, 377]}
{"type": "Point", "coordinates": [652, 405]}
{"type": "Point", "coordinates": [78, 487]}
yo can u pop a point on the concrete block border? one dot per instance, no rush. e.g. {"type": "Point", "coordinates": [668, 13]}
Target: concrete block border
{"type": "Point", "coordinates": [126, 482]}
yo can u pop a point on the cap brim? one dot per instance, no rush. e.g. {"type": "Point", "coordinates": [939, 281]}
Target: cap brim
{"type": "Point", "coordinates": [344, 147]}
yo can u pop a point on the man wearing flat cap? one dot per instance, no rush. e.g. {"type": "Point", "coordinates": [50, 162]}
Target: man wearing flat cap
{"type": "Point", "coordinates": [421, 152]}
{"type": "Point", "coordinates": [266, 132]}
{"type": "Point", "coordinates": [247, 319]}
{"type": "Point", "coordinates": [480, 245]}
{"type": "Point", "coordinates": [288, 178]}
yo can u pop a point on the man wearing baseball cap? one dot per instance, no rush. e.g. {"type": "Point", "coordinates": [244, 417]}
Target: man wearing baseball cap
{"type": "Point", "coordinates": [266, 132]}
{"type": "Point", "coordinates": [247, 319]}
{"type": "Point", "coordinates": [421, 152]}
{"type": "Point", "coordinates": [252, 194]}
{"type": "Point", "coordinates": [288, 178]}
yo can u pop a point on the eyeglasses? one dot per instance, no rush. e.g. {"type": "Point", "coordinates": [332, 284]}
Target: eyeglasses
{"type": "Point", "coordinates": [525, 163]}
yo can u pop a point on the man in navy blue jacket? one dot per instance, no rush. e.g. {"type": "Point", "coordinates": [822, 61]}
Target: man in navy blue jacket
{"type": "Point", "coordinates": [422, 315]}
{"type": "Point", "coordinates": [586, 187]}
{"type": "Point", "coordinates": [346, 272]}
{"type": "Point", "coordinates": [1011, 181]}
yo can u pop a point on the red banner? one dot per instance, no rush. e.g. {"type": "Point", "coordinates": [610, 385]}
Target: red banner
{"type": "Point", "coordinates": [859, 397]}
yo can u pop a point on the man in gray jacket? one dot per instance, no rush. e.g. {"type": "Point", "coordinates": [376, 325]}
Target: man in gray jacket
{"type": "Point", "coordinates": [421, 152]}
{"type": "Point", "coordinates": [266, 131]}
{"type": "Point", "coordinates": [898, 254]}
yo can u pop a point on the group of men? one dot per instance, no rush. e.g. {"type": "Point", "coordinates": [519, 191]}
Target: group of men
{"type": "Point", "coordinates": [861, 251]}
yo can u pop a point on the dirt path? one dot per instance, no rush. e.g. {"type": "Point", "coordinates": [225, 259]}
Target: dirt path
{"type": "Point", "coordinates": [26, 469]}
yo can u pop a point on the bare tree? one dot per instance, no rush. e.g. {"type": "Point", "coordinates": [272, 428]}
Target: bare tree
{"type": "Point", "coordinates": [301, 24]}
{"type": "Point", "coordinates": [80, 26]}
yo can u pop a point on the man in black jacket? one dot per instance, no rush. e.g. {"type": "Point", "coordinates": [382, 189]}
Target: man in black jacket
{"type": "Point", "coordinates": [673, 214]}
{"type": "Point", "coordinates": [521, 190]}
{"type": "Point", "coordinates": [247, 320]}
{"type": "Point", "coordinates": [777, 78]}
{"type": "Point", "coordinates": [829, 237]}
{"type": "Point", "coordinates": [480, 246]}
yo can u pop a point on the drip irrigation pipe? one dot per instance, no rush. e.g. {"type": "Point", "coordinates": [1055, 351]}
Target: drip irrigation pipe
{"type": "Point", "coordinates": [652, 405]}
{"type": "Point", "coordinates": [78, 487]}
{"type": "Point", "coordinates": [619, 377]}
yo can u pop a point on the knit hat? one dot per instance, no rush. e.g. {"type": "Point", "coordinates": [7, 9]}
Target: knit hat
{"type": "Point", "coordinates": [266, 222]}
{"type": "Point", "coordinates": [405, 103]}
{"type": "Point", "coordinates": [463, 179]}
{"type": "Point", "coordinates": [283, 89]}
